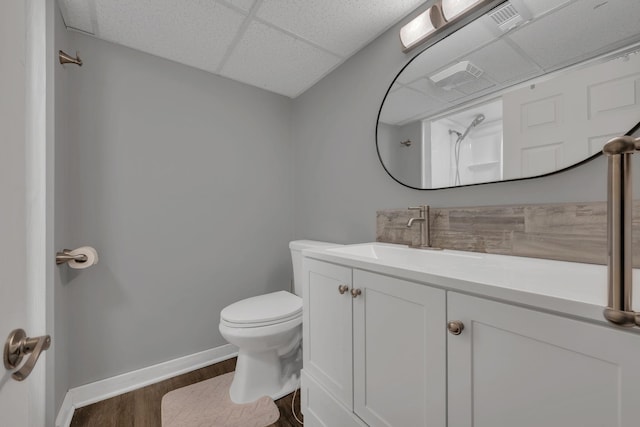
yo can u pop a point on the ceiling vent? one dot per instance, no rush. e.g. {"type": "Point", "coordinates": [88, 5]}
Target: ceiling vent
{"type": "Point", "coordinates": [506, 17]}
{"type": "Point", "coordinates": [457, 75]}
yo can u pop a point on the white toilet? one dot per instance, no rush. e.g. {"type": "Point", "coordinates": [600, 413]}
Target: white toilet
{"type": "Point", "coordinates": [267, 330]}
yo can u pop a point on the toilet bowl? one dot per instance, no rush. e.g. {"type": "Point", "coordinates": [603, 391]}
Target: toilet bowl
{"type": "Point", "coordinates": [267, 329]}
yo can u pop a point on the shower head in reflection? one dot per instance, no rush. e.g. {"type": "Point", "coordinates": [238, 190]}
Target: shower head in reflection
{"type": "Point", "coordinates": [477, 120]}
{"type": "Point", "coordinates": [461, 136]}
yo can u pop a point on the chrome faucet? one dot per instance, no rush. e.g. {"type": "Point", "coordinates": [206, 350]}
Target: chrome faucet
{"type": "Point", "coordinates": [619, 207]}
{"type": "Point", "coordinates": [425, 227]}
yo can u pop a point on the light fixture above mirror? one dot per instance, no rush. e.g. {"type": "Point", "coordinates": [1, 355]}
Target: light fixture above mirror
{"type": "Point", "coordinates": [440, 17]}
{"type": "Point", "coordinates": [416, 31]}
{"type": "Point", "coordinates": [454, 8]}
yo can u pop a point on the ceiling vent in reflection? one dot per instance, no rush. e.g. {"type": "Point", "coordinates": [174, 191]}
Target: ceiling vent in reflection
{"type": "Point", "coordinates": [457, 75]}
{"type": "Point", "coordinates": [506, 17]}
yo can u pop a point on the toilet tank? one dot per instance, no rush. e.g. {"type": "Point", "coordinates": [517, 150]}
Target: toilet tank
{"type": "Point", "coordinates": [296, 247]}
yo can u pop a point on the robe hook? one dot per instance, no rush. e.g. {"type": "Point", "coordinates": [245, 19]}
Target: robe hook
{"type": "Point", "coordinates": [65, 58]}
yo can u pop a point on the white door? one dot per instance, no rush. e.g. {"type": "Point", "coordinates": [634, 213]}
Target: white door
{"type": "Point", "coordinates": [399, 352]}
{"type": "Point", "coordinates": [512, 366]}
{"type": "Point", "coordinates": [21, 305]}
{"type": "Point", "coordinates": [555, 124]}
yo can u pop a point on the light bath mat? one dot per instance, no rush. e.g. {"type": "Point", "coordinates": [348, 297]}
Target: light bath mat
{"type": "Point", "coordinates": [207, 404]}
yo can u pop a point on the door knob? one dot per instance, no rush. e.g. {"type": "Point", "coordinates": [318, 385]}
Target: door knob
{"type": "Point", "coordinates": [342, 289]}
{"type": "Point", "coordinates": [17, 346]}
{"type": "Point", "coordinates": [355, 292]}
{"type": "Point", "coordinates": [455, 327]}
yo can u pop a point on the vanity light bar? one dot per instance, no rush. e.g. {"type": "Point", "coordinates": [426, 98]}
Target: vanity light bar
{"type": "Point", "coordinates": [439, 17]}
{"type": "Point", "coordinates": [417, 30]}
{"type": "Point", "coordinates": [453, 8]}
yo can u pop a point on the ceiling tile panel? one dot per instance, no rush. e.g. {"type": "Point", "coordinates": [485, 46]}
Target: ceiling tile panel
{"type": "Point", "coordinates": [77, 14]}
{"type": "Point", "coordinates": [502, 63]}
{"type": "Point", "coordinates": [195, 32]}
{"type": "Point", "coordinates": [540, 7]}
{"type": "Point", "coordinates": [579, 29]}
{"type": "Point", "coordinates": [277, 62]}
{"type": "Point", "coordinates": [241, 4]}
{"type": "Point", "coordinates": [340, 26]}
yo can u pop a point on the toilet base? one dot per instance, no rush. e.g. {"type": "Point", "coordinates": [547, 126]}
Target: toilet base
{"type": "Point", "coordinates": [261, 374]}
{"type": "Point", "coordinates": [269, 358]}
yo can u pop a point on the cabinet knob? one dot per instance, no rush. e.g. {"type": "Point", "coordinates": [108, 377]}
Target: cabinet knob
{"type": "Point", "coordinates": [355, 292]}
{"type": "Point", "coordinates": [455, 327]}
{"type": "Point", "coordinates": [342, 289]}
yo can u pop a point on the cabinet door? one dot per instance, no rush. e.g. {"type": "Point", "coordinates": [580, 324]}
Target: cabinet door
{"type": "Point", "coordinates": [399, 352]}
{"type": "Point", "coordinates": [323, 410]}
{"type": "Point", "coordinates": [512, 366]}
{"type": "Point", "coordinates": [327, 334]}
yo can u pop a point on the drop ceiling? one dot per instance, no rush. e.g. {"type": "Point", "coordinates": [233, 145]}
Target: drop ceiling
{"type": "Point", "coordinates": [283, 46]}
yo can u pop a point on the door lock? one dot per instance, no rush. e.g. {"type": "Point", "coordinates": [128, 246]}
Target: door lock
{"type": "Point", "coordinates": [17, 346]}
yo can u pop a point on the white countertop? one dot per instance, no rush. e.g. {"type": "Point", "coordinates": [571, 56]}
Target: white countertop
{"type": "Point", "coordinates": [570, 288]}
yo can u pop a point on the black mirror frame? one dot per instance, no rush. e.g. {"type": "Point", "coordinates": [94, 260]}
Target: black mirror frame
{"type": "Point", "coordinates": [631, 132]}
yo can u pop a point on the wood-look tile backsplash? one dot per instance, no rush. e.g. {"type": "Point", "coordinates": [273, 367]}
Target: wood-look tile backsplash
{"type": "Point", "coordinates": [566, 232]}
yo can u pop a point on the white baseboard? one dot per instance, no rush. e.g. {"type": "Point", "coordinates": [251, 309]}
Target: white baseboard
{"type": "Point", "coordinates": [66, 412]}
{"type": "Point", "coordinates": [104, 389]}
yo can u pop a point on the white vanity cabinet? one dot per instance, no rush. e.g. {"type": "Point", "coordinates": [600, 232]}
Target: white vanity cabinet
{"type": "Point", "coordinates": [389, 354]}
{"type": "Point", "coordinates": [512, 366]}
{"type": "Point", "coordinates": [377, 351]}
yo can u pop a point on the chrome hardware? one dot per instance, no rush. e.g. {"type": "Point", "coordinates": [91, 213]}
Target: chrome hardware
{"type": "Point", "coordinates": [455, 327]}
{"type": "Point", "coordinates": [65, 58]}
{"type": "Point", "coordinates": [17, 346]}
{"type": "Point", "coordinates": [66, 256]}
{"type": "Point", "coordinates": [619, 211]}
{"type": "Point", "coordinates": [406, 143]}
{"type": "Point", "coordinates": [342, 289]}
{"type": "Point", "coordinates": [425, 227]}
{"type": "Point", "coordinates": [356, 292]}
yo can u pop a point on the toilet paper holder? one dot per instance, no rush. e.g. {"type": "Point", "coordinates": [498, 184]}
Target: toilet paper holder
{"type": "Point", "coordinates": [66, 256]}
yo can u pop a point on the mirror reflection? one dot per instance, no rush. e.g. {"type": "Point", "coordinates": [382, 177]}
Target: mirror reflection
{"type": "Point", "coordinates": [528, 89]}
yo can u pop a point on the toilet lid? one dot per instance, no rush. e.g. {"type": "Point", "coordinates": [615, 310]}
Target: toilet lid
{"type": "Point", "coordinates": [269, 308]}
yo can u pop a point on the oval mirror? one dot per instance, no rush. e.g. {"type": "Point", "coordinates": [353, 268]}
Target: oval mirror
{"type": "Point", "coordinates": [530, 88]}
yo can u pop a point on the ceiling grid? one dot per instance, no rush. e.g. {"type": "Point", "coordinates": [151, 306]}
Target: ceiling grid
{"type": "Point", "coordinates": [284, 46]}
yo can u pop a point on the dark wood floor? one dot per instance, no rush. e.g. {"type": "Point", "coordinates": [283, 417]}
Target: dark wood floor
{"type": "Point", "coordinates": [141, 408]}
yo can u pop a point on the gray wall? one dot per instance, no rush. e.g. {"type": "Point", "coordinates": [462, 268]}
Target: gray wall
{"type": "Point", "coordinates": [182, 182]}
{"type": "Point", "coordinates": [339, 180]}
{"type": "Point", "coordinates": [404, 163]}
